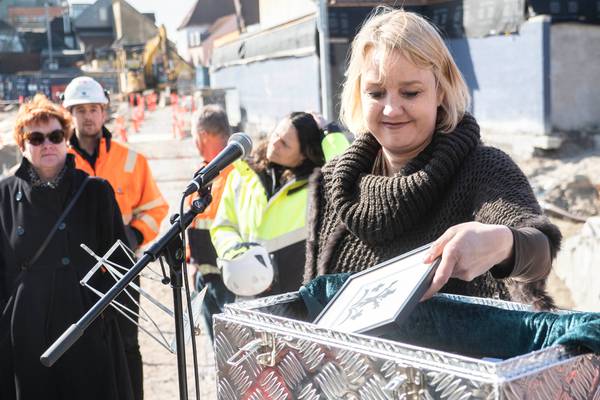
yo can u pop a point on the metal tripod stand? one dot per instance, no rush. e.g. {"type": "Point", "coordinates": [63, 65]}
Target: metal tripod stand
{"type": "Point", "coordinates": [169, 246]}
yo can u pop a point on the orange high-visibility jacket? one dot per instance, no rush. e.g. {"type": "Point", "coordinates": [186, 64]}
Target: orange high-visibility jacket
{"type": "Point", "coordinates": [141, 203]}
{"type": "Point", "coordinates": [201, 243]}
{"type": "Point", "coordinates": [205, 219]}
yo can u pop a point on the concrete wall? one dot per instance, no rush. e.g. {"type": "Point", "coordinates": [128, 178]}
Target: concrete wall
{"type": "Point", "coordinates": [272, 88]}
{"type": "Point", "coordinates": [508, 78]}
{"type": "Point", "coordinates": [546, 78]}
{"type": "Point", "coordinates": [543, 79]}
{"type": "Point", "coordinates": [575, 76]}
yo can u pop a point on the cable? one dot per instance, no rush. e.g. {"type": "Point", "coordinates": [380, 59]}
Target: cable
{"type": "Point", "coordinates": [187, 298]}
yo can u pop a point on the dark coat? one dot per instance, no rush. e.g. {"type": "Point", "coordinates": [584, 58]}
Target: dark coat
{"type": "Point", "coordinates": [39, 302]}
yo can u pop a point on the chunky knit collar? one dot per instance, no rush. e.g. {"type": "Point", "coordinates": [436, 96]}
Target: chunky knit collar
{"type": "Point", "coordinates": [379, 209]}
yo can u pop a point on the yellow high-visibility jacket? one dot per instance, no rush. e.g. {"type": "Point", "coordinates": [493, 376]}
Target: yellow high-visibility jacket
{"type": "Point", "coordinates": [140, 201]}
{"type": "Point", "coordinates": [334, 144]}
{"type": "Point", "coordinates": [200, 250]}
{"type": "Point", "coordinates": [245, 215]}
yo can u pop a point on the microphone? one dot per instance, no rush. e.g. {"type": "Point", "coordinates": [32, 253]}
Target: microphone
{"type": "Point", "coordinates": [238, 145]}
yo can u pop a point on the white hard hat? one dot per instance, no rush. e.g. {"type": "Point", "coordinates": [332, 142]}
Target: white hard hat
{"type": "Point", "coordinates": [249, 274]}
{"type": "Point", "coordinates": [84, 90]}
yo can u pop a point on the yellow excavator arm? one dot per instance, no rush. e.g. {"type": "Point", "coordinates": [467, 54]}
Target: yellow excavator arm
{"type": "Point", "coordinates": [172, 62]}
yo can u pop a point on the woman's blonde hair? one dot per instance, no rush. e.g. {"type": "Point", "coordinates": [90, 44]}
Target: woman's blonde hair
{"type": "Point", "coordinates": [387, 31]}
{"type": "Point", "coordinates": [40, 109]}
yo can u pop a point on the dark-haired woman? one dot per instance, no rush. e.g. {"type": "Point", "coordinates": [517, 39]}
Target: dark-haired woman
{"type": "Point", "coordinates": [264, 203]}
{"type": "Point", "coordinates": [41, 264]}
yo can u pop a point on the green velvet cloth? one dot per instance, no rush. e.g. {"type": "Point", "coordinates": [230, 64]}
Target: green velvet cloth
{"type": "Point", "coordinates": [472, 329]}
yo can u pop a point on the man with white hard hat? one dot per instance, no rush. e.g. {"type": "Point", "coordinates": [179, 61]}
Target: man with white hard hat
{"type": "Point", "coordinates": [140, 201]}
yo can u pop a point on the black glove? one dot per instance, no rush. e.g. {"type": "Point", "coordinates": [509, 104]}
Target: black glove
{"type": "Point", "coordinates": [134, 237]}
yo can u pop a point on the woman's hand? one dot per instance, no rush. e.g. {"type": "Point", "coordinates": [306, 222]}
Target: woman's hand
{"type": "Point", "coordinates": [468, 250]}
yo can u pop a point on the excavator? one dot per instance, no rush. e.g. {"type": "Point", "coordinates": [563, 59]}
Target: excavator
{"type": "Point", "coordinates": [158, 66]}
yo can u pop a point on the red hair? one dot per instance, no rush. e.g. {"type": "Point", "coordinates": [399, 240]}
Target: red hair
{"type": "Point", "coordinates": [40, 109]}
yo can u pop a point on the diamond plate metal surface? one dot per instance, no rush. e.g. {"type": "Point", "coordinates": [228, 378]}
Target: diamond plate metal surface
{"type": "Point", "coordinates": [263, 353]}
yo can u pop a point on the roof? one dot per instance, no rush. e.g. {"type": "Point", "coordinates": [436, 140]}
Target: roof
{"type": "Point", "coordinates": [97, 24]}
{"type": "Point", "coordinates": [6, 27]}
{"type": "Point", "coordinates": [206, 12]}
{"type": "Point", "coordinates": [372, 3]}
{"type": "Point", "coordinates": [221, 27]}
{"type": "Point", "coordinates": [35, 11]}
{"type": "Point", "coordinates": [133, 27]}
{"type": "Point", "coordinates": [97, 15]}
{"type": "Point", "coordinates": [9, 38]}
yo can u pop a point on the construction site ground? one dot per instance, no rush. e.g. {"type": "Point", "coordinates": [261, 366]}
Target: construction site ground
{"type": "Point", "coordinates": [174, 159]}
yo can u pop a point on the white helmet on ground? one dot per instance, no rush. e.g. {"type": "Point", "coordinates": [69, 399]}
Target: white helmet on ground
{"type": "Point", "coordinates": [249, 274]}
{"type": "Point", "coordinates": [84, 90]}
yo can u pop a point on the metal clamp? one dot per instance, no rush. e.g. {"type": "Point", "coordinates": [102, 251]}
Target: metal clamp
{"type": "Point", "coordinates": [242, 354]}
{"type": "Point", "coordinates": [410, 383]}
{"type": "Point", "coordinates": [268, 358]}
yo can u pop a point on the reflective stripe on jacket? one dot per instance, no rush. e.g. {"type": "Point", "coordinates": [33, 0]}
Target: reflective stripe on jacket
{"type": "Point", "coordinates": [200, 250]}
{"type": "Point", "coordinates": [138, 196]}
{"type": "Point", "coordinates": [205, 219]}
{"type": "Point", "coordinates": [245, 214]}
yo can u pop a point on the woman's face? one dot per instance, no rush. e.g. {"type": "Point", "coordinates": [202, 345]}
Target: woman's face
{"type": "Point", "coordinates": [47, 157]}
{"type": "Point", "coordinates": [400, 110]}
{"type": "Point", "coordinates": [284, 145]}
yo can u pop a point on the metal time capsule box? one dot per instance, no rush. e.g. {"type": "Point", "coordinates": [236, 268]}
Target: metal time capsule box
{"type": "Point", "coordinates": [264, 349]}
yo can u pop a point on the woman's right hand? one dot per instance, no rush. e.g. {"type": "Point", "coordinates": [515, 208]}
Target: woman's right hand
{"type": "Point", "coordinates": [468, 250]}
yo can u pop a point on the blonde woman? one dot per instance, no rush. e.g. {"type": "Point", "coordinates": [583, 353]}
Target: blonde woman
{"type": "Point", "coordinates": [418, 172]}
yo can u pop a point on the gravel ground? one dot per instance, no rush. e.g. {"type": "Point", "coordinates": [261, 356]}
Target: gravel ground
{"type": "Point", "coordinates": [173, 163]}
{"type": "Point", "coordinates": [160, 366]}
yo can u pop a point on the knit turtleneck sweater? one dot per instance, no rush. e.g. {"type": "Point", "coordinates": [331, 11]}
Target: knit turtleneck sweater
{"type": "Point", "coordinates": [358, 219]}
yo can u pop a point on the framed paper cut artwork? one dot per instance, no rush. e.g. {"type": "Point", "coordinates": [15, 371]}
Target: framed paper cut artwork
{"type": "Point", "coordinates": [373, 300]}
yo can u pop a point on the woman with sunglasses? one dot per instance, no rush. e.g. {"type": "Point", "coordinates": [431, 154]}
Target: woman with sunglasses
{"type": "Point", "coordinates": [41, 264]}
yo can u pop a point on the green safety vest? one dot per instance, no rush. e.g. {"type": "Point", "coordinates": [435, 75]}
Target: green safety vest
{"type": "Point", "coordinates": [245, 214]}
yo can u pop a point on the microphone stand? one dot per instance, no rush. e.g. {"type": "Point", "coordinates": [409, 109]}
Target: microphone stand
{"type": "Point", "coordinates": [168, 245]}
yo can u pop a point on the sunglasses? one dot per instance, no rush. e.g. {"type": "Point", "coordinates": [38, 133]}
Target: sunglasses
{"type": "Point", "coordinates": [37, 138]}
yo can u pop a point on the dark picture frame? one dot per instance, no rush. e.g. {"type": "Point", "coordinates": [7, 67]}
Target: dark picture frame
{"type": "Point", "coordinates": [373, 301]}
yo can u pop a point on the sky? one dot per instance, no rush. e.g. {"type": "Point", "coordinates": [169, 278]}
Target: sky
{"type": "Point", "coordinates": [168, 12]}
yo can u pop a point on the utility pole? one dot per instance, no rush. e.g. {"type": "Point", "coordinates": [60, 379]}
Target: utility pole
{"type": "Point", "coordinates": [239, 17]}
{"type": "Point", "coordinates": [49, 31]}
{"type": "Point", "coordinates": [325, 69]}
